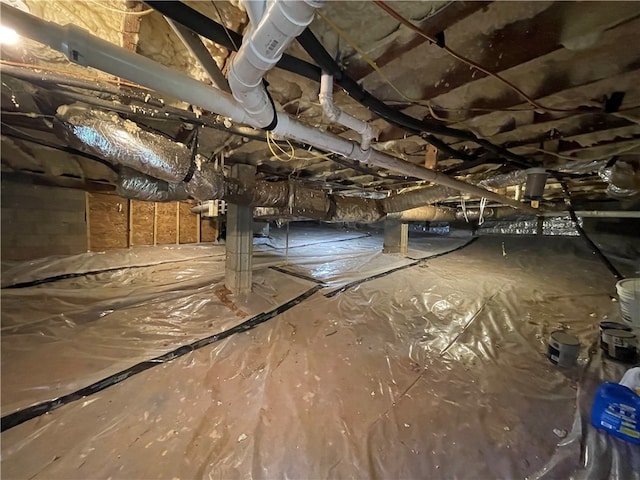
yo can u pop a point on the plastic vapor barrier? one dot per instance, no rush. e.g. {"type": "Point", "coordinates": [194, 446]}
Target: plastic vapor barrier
{"type": "Point", "coordinates": [342, 363]}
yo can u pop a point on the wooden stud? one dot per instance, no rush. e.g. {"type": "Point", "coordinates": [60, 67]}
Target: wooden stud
{"type": "Point", "coordinates": [87, 207]}
{"type": "Point", "coordinates": [430, 157]}
{"type": "Point", "coordinates": [130, 243]}
{"type": "Point", "coordinates": [155, 223]}
{"type": "Point", "coordinates": [177, 223]}
{"type": "Point", "coordinates": [198, 228]}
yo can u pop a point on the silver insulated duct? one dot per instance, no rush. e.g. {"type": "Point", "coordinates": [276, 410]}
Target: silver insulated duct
{"type": "Point", "coordinates": [155, 168]}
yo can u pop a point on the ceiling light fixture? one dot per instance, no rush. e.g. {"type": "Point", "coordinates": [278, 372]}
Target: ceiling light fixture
{"type": "Point", "coordinates": [8, 36]}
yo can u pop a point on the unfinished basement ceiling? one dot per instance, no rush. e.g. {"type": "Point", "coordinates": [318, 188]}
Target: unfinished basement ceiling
{"type": "Point", "coordinates": [577, 62]}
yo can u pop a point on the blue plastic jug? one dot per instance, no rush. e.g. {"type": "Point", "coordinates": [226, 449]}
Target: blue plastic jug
{"type": "Point", "coordinates": [616, 409]}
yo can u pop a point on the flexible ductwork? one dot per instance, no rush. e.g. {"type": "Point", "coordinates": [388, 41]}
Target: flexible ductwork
{"type": "Point", "coordinates": [124, 143]}
{"type": "Point", "coordinates": [623, 179]}
{"type": "Point", "coordinates": [85, 49]}
{"type": "Point", "coordinates": [517, 177]}
{"type": "Point", "coordinates": [155, 168]}
{"type": "Point", "coordinates": [138, 186]}
{"type": "Point", "coordinates": [424, 196]}
{"type": "Point", "coordinates": [417, 197]}
{"type": "Point", "coordinates": [430, 213]}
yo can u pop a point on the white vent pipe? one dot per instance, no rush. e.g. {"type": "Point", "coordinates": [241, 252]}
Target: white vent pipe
{"type": "Point", "coordinates": [85, 49]}
{"type": "Point", "coordinates": [255, 9]}
{"type": "Point", "coordinates": [367, 132]}
{"type": "Point", "coordinates": [280, 24]}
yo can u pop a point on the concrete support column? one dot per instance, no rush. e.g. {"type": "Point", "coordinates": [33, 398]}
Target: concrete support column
{"type": "Point", "coordinates": [239, 242]}
{"type": "Point", "coordinates": [396, 237]}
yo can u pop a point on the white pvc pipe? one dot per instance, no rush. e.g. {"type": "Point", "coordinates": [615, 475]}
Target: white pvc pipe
{"type": "Point", "coordinates": [598, 213]}
{"type": "Point", "coordinates": [255, 10]}
{"type": "Point", "coordinates": [85, 49]}
{"type": "Point", "coordinates": [287, 127]}
{"type": "Point", "coordinates": [282, 22]}
{"type": "Point", "coordinates": [335, 114]}
{"type": "Point", "coordinates": [82, 48]}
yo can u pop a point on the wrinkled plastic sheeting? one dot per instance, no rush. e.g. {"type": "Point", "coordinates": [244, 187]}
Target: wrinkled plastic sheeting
{"type": "Point", "coordinates": [139, 256]}
{"type": "Point", "coordinates": [337, 257]}
{"type": "Point", "coordinates": [580, 166]}
{"type": "Point", "coordinates": [133, 184]}
{"type": "Point", "coordinates": [517, 177]}
{"type": "Point", "coordinates": [87, 328]}
{"type": "Point", "coordinates": [560, 226]}
{"type": "Point", "coordinates": [123, 142]}
{"type": "Point", "coordinates": [436, 372]}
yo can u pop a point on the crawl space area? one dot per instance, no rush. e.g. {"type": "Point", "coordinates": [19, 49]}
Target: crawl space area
{"type": "Point", "coordinates": [309, 239]}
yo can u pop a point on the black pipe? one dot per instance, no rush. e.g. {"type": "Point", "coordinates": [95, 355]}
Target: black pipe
{"type": "Point", "coordinates": [316, 50]}
{"type": "Point", "coordinates": [208, 28]}
{"type": "Point", "coordinates": [204, 26]}
{"type": "Point", "coordinates": [594, 248]}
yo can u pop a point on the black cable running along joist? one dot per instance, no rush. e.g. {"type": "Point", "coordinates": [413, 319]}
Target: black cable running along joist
{"type": "Point", "coordinates": [208, 28]}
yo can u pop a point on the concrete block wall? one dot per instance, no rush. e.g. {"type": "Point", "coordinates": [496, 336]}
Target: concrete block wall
{"type": "Point", "coordinates": [39, 221]}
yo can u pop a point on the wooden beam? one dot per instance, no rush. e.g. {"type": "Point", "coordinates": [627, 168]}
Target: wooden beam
{"type": "Point", "coordinates": [131, 26]}
{"type": "Point", "coordinates": [431, 157]}
{"type": "Point", "coordinates": [130, 213]}
{"type": "Point", "coordinates": [542, 34]}
{"type": "Point", "coordinates": [434, 24]}
{"type": "Point", "coordinates": [177, 223]}
{"type": "Point", "coordinates": [155, 223]}
{"type": "Point", "coordinates": [86, 216]}
{"type": "Point", "coordinates": [198, 228]}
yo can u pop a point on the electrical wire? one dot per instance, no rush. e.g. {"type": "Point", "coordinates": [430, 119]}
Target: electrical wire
{"type": "Point", "coordinates": [126, 12]}
{"type": "Point", "coordinates": [207, 28]}
{"type": "Point", "coordinates": [464, 209]}
{"type": "Point", "coordinates": [83, 75]}
{"type": "Point", "coordinates": [629, 148]}
{"type": "Point", "coordinates": [483, 204]}
{"type": "Point", "coordinates": [412, 125]}
{"type": "Point", "coordinates": [26, 137]}
{"type": "Point", "coordinates": [372, 63]}
{"type": "Point", "coordinates": [271, 143]}
{"type": "Point", "coordinates": [468, 61]}
{"type": "Point", "coordinates": [291, 155]}
{"type": "Point", "coordinates": [235, 45]}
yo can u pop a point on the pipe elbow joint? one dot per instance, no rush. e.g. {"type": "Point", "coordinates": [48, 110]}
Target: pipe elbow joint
{"type": "Point", "coordinates": [253, 99]}
{"type": "Point", "coordinates": [369, 134]}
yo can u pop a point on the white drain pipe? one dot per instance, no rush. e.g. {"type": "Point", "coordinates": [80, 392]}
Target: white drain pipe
{"type": "Point", "coordinates": [255, 10]}
{"type": "Point", "coordinates": [367, 132]}
{"type": "Point", "coordinates": [280, 24]}
{"type": "Point", "coordinates": [85, 49]}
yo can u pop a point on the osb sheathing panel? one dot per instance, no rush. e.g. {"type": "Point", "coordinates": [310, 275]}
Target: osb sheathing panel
{"type": "Point", "coordinates": [166, 222]}
{"type": "Point", "coordinates": [142, 216]}
{"type": "Point", "coordinates": [208, 230]}
{"type": "Point", "coordinates": [188, 224]}
{"type": "Point", "coordinates": [108, 222]}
